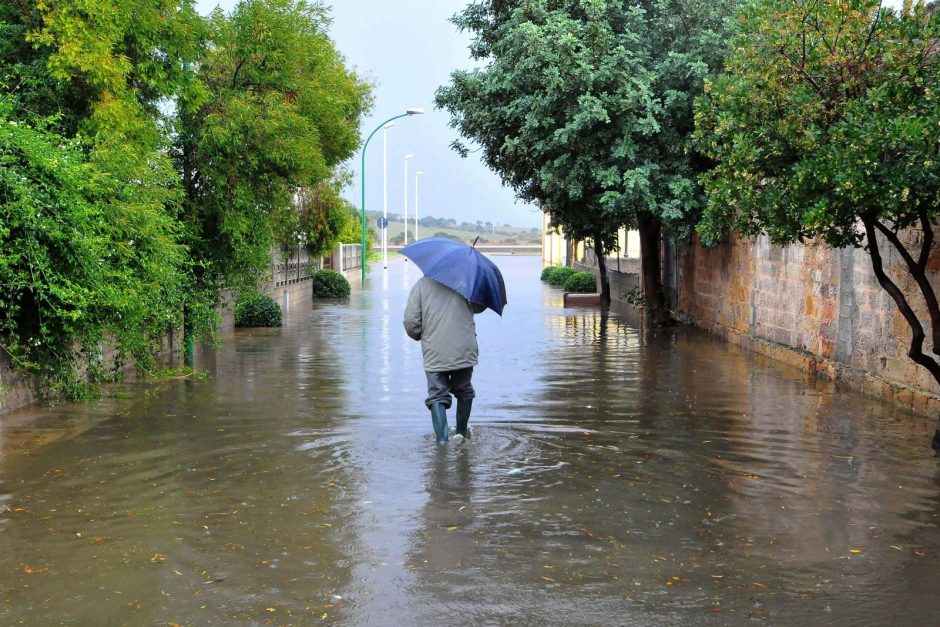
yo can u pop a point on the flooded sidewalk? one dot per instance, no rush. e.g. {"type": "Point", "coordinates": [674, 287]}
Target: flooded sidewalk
{"type": "Point", "coordinates": [614, 477]}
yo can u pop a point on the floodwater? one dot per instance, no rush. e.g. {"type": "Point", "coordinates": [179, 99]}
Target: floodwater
{"type": "Point", "coordinates": [613, 477]}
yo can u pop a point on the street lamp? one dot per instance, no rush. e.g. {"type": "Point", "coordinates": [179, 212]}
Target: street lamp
{"type": "Point", "coordinates": [385, 193]}
{"type": "Point", "coordinates": [412, 111]}
{"type": "Point", "coordinates": [407, 157]}
{"type": "Point", "coordinates": [417, 174]}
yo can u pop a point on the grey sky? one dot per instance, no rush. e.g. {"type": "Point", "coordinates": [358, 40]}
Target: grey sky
{"type": "Point", "coordinates": [408, 48]}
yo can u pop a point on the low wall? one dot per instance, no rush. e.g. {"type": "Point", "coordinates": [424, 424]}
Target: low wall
{"type": "Point", "coordinates": [15, 392]}
{"type": "Point", "coordinates": [811, 306]}
{"type": "Point", "coordinates": [622, 281]}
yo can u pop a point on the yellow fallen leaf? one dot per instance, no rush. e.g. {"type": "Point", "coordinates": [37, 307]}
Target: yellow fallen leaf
{"type": "Point", "coordinates": [855, 551]}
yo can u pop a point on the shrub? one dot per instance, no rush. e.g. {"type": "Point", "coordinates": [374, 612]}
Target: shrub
{"type": "Point", "coordinates": [329, 284]}
{"type": "Point", "coordinates": [580, 283]}
{"type": "Point", "coordinates": [547, 272]}
{"type": "Point", "coordinates": [559, 276]}
{"type": "Point", "coordinates": [257, 310]}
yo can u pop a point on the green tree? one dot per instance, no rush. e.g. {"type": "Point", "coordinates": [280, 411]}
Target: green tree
{"type": "Point", "coordinates": [277, 112]}
{"type": "Point", "coordinates": [557, 107]}
{"type": "Point", "coordinates": [326, 218]}
{"type": "Point", "coordinates": [585, 106]}
{"type": "Point", "coordinates": [683, 43]}
{"type": "Point", "coordinates": [824, 125]}
{"type": "Point", "coordinates": [89, 244]}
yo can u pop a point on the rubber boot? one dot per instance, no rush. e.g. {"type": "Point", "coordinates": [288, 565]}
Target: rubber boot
{"type": "Point", "coordinates": [439, 420]}
{"type": "Point", "coordinates": [463, 417]}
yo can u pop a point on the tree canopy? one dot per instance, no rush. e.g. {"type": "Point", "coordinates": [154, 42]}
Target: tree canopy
{"type": "Point", "coordinates": [586, 108]}
{"type": "Point", "coordinates": [277, 112]}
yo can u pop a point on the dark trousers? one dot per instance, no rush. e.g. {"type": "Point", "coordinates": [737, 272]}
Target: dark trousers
{"type": "Point", "coordinates": [442, 384]}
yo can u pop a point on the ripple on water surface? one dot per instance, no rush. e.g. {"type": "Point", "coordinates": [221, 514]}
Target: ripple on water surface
{"type": "Point", "coordinates": [614, 476]}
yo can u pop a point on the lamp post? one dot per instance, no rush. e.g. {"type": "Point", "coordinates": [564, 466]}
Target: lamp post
{"type": "Point", "coordinates": [407, 157]}
{"type": "Point", "coordinates": [385, 193]}
{"type": "Point", "coordinates": [414, 111]}
{"type": "Point", "coordinates": [417, 174]}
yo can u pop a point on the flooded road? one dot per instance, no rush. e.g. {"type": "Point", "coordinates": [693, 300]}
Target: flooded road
{"type": "Point", "coordinates": [614, 477]}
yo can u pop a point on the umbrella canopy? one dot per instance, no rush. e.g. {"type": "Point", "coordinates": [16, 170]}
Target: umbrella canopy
{"type": "Point", "coordinates": [462, 268]}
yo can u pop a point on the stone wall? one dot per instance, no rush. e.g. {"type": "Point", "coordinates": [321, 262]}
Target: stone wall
{"type": "Point", "coordinates": [811, 306]}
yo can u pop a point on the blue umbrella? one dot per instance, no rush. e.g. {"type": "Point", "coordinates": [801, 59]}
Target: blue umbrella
{"type": "Point", "coordinates": [462, 268]}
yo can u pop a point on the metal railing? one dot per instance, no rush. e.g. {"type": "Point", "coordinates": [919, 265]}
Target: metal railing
{"type": "Point", "coordinates": [292, 267]}
{"type": "Point", "coordinates": [348, 257]}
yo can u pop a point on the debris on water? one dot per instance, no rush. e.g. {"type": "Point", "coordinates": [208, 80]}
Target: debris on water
{"type": "Point", "coordinates": [520, 469]}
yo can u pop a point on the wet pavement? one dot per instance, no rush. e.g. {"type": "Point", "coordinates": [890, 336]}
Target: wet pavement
{"type": "Point", "coordinates": [614, 477]}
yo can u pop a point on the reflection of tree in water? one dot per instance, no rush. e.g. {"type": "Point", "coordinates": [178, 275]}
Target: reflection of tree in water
{"type": "Point", "coordinates": [212, 499]}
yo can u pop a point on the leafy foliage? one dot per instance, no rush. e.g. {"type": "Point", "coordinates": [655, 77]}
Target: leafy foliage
{"type": "Point", "coordinates": [329, 284]}
{"type": "Point", "coordinates": [560, 275]}
{"type": "Point", "coordinates": [90, 246]}
{"type": "Point", "coordinates": [824, 124]}
{"type": "Point", "coordinates": [825, 113]}
{"type": "Point", "coordinates": [547, 272]}
{"type": "Point", "coordinates": [585, 106]}
{"type": "Point", "coordinates": [257, 310]}
{"type": "Point", "coordinates": [277, 112]}
{"type": "Point", "coordinates": [558, 105]}
{"type": "Point", "coordinates": [324, 217]}
{"type": "Point", "coordinates": [147, 158]}
{"type": "Point", "coordinates": [580, 283]}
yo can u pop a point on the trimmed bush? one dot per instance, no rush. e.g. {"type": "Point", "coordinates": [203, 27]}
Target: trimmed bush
{"type": "Point", "coordinates": [547, 272]}
{"type": "Point", "coordinates": [257, 310]}
{"type": "Point", "coordinates": [329, 284]}
{"type": "Point", "coordinates": [580, 283]}
{"type": "Point", "coordinates": [559, 276]}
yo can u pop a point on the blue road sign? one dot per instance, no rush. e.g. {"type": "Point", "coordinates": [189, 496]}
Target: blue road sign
{"type": "Point", "coordinates": [381, 223]}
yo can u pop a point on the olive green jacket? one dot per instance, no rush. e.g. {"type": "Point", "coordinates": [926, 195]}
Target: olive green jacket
{"type": "Point", "coordinates": [442, 320]}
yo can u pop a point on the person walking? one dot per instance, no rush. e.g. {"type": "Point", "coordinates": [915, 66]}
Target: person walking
{"type": "Point", "coordinates": [442, 320]}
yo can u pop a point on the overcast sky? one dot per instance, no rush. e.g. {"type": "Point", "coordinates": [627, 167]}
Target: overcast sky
{"type": "Point", "coordinates": [408, 48]}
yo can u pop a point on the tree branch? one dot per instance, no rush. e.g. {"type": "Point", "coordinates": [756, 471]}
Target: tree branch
{"type": "Point", "coordinates": [871, 34]}
{"type": "Point", "coordinates": [235, 73]}
{"type": "Point", "coordinates": [918, 270]}
{"type": "Point", "coordinates": [915, 352]}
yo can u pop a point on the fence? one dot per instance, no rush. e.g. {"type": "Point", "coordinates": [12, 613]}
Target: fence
{"type": "Point", "coordinates": [292, 267]}
{"type": "Point", "coordinates": [347, 257]}
{"type": "Point", "coordinates": [295, 266]}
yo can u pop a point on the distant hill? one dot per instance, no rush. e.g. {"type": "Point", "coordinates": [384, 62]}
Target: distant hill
{"type": "Point", "coordinates": [488, 232]}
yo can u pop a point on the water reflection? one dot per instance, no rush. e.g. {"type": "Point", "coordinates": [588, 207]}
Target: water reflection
{"type": "Point", "coordinates": [615, 476]}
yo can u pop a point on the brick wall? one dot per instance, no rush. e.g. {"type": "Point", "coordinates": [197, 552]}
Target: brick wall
{"type": "Point", "coordinates": [811, 306]}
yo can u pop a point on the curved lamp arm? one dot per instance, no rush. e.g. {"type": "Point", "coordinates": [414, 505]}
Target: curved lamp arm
{"type": "Point", "coordinates": [413, 111]}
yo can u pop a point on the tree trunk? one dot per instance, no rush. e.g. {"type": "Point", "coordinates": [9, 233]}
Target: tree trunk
{"type": "Point", "coordinates": [602, 269]}
{"type": "Point", "coordinates": [651, 269]}
{"type": "Point", "coordinates": [917, 269]}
